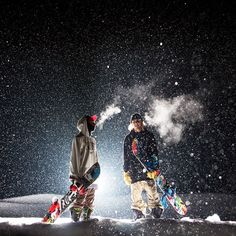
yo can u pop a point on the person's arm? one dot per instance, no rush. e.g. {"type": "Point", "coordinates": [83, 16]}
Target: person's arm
{"type": "Point", "coordinates": [73, 163]}
{"type": "Point", "coordinates": [126, 165]}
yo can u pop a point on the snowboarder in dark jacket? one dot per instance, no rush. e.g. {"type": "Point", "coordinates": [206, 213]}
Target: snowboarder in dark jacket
{"type": "Point", "coordinates": [140, 143]}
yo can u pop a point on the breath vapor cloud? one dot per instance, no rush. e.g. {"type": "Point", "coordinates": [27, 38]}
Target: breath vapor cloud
{"type": "Point", "coordinates": [109, 112]}
{"type": "Point", "coordinates": [171, 116]}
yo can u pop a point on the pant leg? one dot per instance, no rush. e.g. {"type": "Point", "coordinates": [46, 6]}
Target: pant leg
{"type": "Point", "coordinates": [136, 196]}
{"type": "Point", "coordinates": [89, 198]}
{"type": "Point", "coordinates": [78, 201]}
{"type": "Point", "coordinates": [152, 194]}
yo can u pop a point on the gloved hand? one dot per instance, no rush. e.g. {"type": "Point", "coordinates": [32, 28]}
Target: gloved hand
{"type": "Point", "coordinates": [127, 178]}
{"type": "Point", "coordinates": [73, 186]}
{"type": "Point", "coordinates": [153, 174]}
{"type": "Point", "coordinates": [82, 190]}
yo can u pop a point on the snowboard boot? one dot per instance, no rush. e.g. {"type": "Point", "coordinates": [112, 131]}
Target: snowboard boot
{"type": "Point", "coordinates": [156, 212]}
{"type": "Point", "coordinates": [138, 214]}
{"type": "Point", "coordinates": [75, 213]}
{"type": "Point", "coordinates": [87, 213]}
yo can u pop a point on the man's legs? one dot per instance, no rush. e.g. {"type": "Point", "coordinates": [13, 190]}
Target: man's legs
{"type": "Point", "coordinates": [88, 203]}
{"type": "Point", "coordinates": [137, 203]}
{"type": "Point", "coordinates": [153, 198]}
{"type": "Point", "coordinates": [83, 203]}
{"type": "Point", "coordinates": [76, 207]}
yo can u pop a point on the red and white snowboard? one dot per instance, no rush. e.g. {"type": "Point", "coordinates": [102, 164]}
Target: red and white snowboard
{"type": "Point", "coordinates": [59, 206]}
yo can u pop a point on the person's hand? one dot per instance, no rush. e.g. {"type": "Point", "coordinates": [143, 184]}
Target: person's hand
{"type": "Point", "coordinates": [82, 190]}
{"type": "Point", "coordinates": [153, 174]}
{"type": "Point", "coordinates": [73, 188]}
{"type": "Point", "coordinates": [127, 178]}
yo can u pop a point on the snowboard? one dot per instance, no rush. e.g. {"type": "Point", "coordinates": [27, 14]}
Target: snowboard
{"type": "Point", "coordinates": [59, 206]}
{"type": "Point", "coordinates": [168, 190]}
{"type": "Point", "coordinates": [169, 194]}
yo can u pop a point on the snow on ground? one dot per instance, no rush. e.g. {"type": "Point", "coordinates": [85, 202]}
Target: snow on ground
{"type": "Point", "coordinates": [199, 206]}
{"type": "Point", "coordinates": [22, 216]}
{"type": "Point", "coordinates": [63, 220]}
{"type": "Point", "coordinates": [105, 227]}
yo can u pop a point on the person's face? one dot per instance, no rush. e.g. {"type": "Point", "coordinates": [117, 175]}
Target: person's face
{"type": "Point", "coordinates": [92, 122]}
{"type": "Point", "coordinates": [91, 125]}
{"type": "Point", "coordinates": [137, 124]}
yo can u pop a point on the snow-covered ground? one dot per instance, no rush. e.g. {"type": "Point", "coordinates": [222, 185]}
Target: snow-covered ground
{"type": "Point", "coordinates": [208, 215]}
{"type": "Point", "coordinates": [105, 226]}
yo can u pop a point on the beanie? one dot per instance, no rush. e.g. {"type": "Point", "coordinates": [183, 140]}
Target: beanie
{"type": "Point", "coordinates": [136, 116]}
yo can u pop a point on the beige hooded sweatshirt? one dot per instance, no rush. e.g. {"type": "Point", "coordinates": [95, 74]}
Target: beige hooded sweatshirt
{"type": "Point", "coordinates": [84, 153]}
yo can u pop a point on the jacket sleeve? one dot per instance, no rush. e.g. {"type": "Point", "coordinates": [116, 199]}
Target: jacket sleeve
{"type": "Point", "coordinates": [126, 165]}
{"type": "Point", "coordinates": [73, 162]}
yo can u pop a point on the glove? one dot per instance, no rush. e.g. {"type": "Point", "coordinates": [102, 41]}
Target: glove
{"type": "Point", "coordinates": [153, 174]}
{"type": "Point", "coordinates": [73, 188]}
{"type": "Point", "coordinates": [127, 178]}
{"type": "Point", "coordinates": [74, 185]}
{"type": "Point", "coordinates": [82, 190]}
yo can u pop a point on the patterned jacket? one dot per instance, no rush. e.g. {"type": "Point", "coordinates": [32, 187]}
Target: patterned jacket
{"type": "Point", "coordinates": [140, 145]}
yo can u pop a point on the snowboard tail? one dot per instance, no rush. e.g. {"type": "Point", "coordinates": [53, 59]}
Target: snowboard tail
{"type": "Point", "coordinates": [59, 206]}
{"type": "Point", "coordinates": [169, 194]}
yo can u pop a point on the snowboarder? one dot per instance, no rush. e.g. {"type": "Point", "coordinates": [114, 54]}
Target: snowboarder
{"type": "Point", "coordinates": [141, 142]}
{"type": "Point", "coordinates": [83, 156]}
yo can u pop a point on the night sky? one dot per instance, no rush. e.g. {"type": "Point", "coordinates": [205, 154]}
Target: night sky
{"type": "Point", "coordinates": [62, 60]}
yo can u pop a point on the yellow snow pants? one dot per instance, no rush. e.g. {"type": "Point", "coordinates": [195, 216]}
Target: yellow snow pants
{"type": "Point", "coordinates": [153, 199]}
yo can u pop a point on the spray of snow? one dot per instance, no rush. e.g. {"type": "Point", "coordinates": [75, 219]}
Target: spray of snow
{"type": "Point", "coordinates": [109, 112]}
{"type": "Point", "coordinates": [171, 116]}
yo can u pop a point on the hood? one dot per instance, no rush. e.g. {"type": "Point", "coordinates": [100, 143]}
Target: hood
{"type": "Point", "coordinates": [82, 126]}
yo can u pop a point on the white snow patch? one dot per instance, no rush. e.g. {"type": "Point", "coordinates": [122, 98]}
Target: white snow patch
{"type": "Point", "coordinates": [34, 220]}
{"type": "Point", "coordinates": [213, 218]}
{"type": "Point", "coordinates": [30, 220]}
{"type": "Point", "coordinates": [188, 219]}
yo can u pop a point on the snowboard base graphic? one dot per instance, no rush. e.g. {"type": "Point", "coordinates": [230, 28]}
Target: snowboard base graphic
{"type": "Point", "coordinates": [169, 194]}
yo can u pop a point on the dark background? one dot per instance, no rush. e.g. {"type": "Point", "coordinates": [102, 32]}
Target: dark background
{"type": "Point", "coordinates": [61, 60]}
